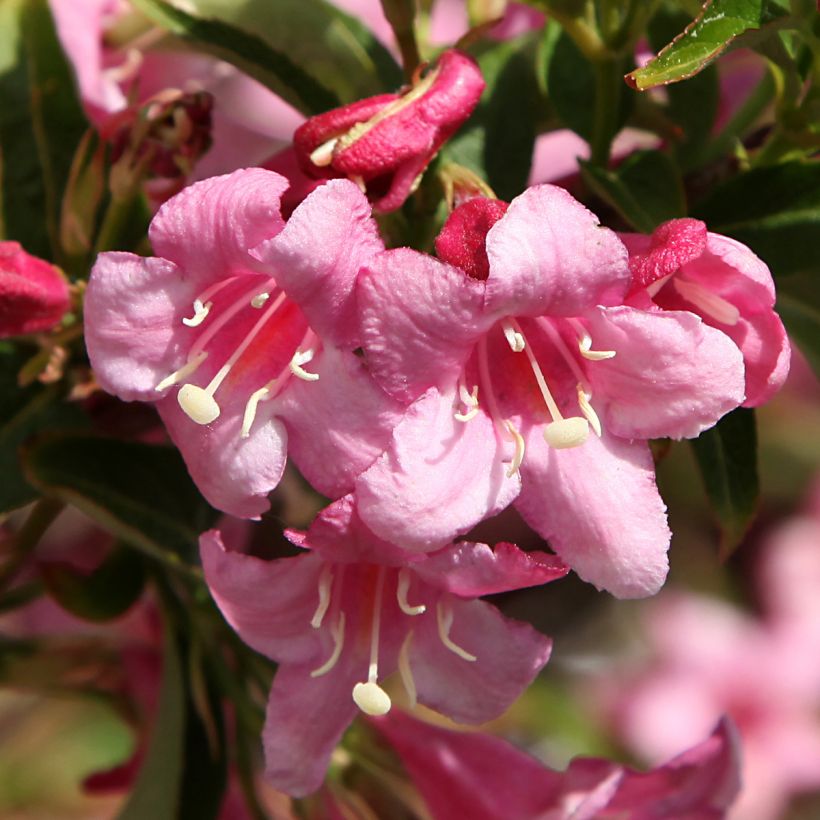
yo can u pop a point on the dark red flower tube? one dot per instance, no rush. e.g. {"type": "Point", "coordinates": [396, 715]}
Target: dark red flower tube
{"type": "Point", "coordinates": [33, 293]}
{"type": "Point", "coordinates": [386, 142]}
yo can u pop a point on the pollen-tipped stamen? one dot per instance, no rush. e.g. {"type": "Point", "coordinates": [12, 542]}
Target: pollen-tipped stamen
{"type": "Point", "coordinates": [587, 409]}
{"type": "Point", "coordinates": [520, 447]}
{"type": "Point", "coordinates": [470, 401]}
{"type": "Point", "coordinates": [515, 339]}
{"type": "Point", "coordinates": [300, 358]}
{"type": "Point", "coordinates": [325, 588]}
{"type": "Point", "coordinates": [402, 589]}
{"type": "Point", "coordinates": [200, 314]}
{"type": "Point", "coordinates": [444, 619]}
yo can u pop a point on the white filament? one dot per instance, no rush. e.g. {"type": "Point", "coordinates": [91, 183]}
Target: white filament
{"type": "Point", "coordinates": [710, 303]}
{"type": "Point", "coordinates": [587, 409]}
{"type": "Point", "coordinates": [405, 671]}
{"type": "Point", "coordinates": [518, 456]}
{"type": "Point", "coordinates": [300, 358]}
{"type": "Point", "coordinates": [401, 595]}
{"type": "Point", "coordinates": [444, 618]}
{"type": "Point", "coordinates": [178, 375]}
{"type": "Point", "coordinates": [325, 587]}
{"type": "Point", "coordinates": [515, 339]}
{"type": "Point", "coordinates": [338, 633]}
{"type": "Point", "coordinates": [585, 345]}
{"type": "Point", "coordinates": [200, 314]}
{"type": "Point", "coordinates": [539, 378]}
{"type": "Point", "coordinates": [470, 401]}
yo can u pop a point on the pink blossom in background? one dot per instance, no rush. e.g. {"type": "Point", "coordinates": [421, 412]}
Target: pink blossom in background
{"type": "Point", "coordinates": [241, 330]}
{"type": "Point", "coordinates": [475, 775]}
{"type": "Point", "coordinates": [342, 617]}
{"type": "Point", "coordinates": [33, 293]}
{"type": "Point", "coordinates": [507, 377]}
{"type": "Point", "coordinates": [682, 266]}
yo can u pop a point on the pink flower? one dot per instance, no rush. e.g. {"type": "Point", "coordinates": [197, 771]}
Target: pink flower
{"type": "Point", "coordinates": [33, 293]}
{"type": "Point", "coordinates": [682, 266]}
{"type": "Point", "coordinates": [340, 619]}
{"type": "Point", "coordinates": [386, 142]}
{"type": "Point", "coordinates": [484, 778]}
{"type": "Point", "coordinates": [508, 374]}
{"type": "Point", "coordinates": [240, 329]}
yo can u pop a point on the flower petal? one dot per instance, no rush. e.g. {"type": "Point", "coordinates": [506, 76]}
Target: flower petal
{"type": "Point", "coordinates": [208, 228]}
{"type": "Point", "coordinates": [133, 322]}
{"type": "Point", "coordinates": [550, 255]}
{"type": "Point", "coordinates": [598, 506]}
{"type": "Point", "coordinates": [420, 320]}
{"type": "Point", "coordinates": [268, 603]}
{"type": "Point", "coordinates": [509, 654]}
{"type": "Point", "coordinates": [437, 478]}
{"type": "Point", "coordinates": [672, 376]}
{"type": "Point", "coordinates": [234, 474]}
{"type": "Point", "coordinates": [471, 570]}
{"type": "Point", "coordinates": [338, 425]}
{"type": "Point", "coordinates": [318, 255]}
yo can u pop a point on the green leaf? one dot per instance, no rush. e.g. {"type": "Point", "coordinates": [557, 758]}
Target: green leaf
{"type": "Point", "coordinates": [775, 210]}
{"type": "Point", "coordinates": [157, 789]}
{"type": "Point", "coordinates": [102, 595]}
{"type": "Point", "coordinates": [307, 51]}
{"type": "Point", "coordinates": [645, 189]}
{"type": "Point", "coordinates": [23, 412]}
{"type": "Point", "coordinates": [716, 28]}
{"type": "Point", "coordinates": [727, 459]}
{"type": "Point", "coordinates": [140, 492]}
{"type": "Point", "coordinates": [41, 124]}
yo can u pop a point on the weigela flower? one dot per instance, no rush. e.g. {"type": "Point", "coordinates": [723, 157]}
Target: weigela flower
{"type": "Point", "coordinates": [241, 329]}
{"type": "Point", "coordinates": [682, 266]}
{"type": "Point", "coordinates": [33, 293]}
{"type": "Point", "coordinates": [482, 777]}
{"type": "Point", "coordinates": [386, 142]}
{"type": "Point", "coordinates": [354, 609]}
{"type": "Point", "coordinates": [509, 362]}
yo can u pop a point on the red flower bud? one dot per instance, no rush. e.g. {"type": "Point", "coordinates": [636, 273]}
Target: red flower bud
{"type": "Point", "coordinates": [462, 241]}
{"type": "Point", "coordinates": [386, 142]}
{"type": "Point", "coordinates": [33, 293]}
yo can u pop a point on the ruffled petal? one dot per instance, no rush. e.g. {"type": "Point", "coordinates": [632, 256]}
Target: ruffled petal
{"type": "Point", "coordinates": [133, 322]}
{"type": "Point", "coordinates": [672, 376]}
{"type": "Point", "coordinates": [318, 255]}
{"type": "Point", "coordinates": [509, 654]}
{"type": "Point", "coordinates": [305, 720]}
{"type": "Point", "coordinates": [471, 570]}
{"type": "Point", "coordinates": [209, 227]}
{"type": "Point", "coordinates": [598, 506]}
{"type": "Point", "coordinates": [234, 474]}
{"type": "Point", "coordinates": [437, 478]}
{"type": "Point", "coordinates": [337, 425]}
{"type": "Point", "coordinates": [268, 603]}
{"type": "Point", "coordinates": [420, 320]}
{"type": "Point", "coordinates": [549, 255]}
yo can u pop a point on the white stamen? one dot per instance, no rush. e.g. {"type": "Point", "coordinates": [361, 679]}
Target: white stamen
{"type": "Point", "coordinates": [338, 633]}
{"type": "Point", "coordinates": [323, 155]}
{"type": "Point", "coordinates": [444, 617]}
{"type": "Point", "coordinates": [518, 456]}
{"type": "Point", "coordinates": [406, 672]}
{"type": "Point", "coordinates": [198, 404]}
{"type": "Point", "coordinates": [655, 286]}
{"type": "Point", "coordinates": [363, 185]}
{"type": "Point", "coordinates": [178, 375]}
{"type": "Point", "coordinates": [250, 410]}
{"type": "Point", "coordinates": [300, 358]}
{"type": "Point", "coordinates": [710, 303]}
{"type": "Point", "coordinates": [539, 378]}
{"type": "Point", "coordinates": [587, 409]}
{"type": "Point", "coordinates": [127, 69]}
{"type": "Point", "coordinates": [259, 300]}
{"type": "Point", "coordinates": [566, 433]}
{"type": "Point", "coordinates": [325, 587]}
{"type": "Point", "coordinates": [470, 401]}
{"type": "Point", "coordinates": [515, 339]}
{"type": "Point", "coordinates": [401, 595]}
{"type": "Point", "coordinates": [369, 696]}
{"type": "Point", "coordinates": [200, 314]}
{"type": "Point", "coordinates": [584, 345]}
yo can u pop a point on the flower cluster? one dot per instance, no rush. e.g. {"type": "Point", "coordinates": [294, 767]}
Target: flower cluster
{"type": "Point", "coordinates": [529, 362]}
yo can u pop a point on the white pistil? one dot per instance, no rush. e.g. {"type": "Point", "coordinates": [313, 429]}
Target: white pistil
{"type": "Point", "coordinates": [260, 299]}
{"type": "Point", "coordinates": [585, 345]}
{"type": "Point", "coordinates": [325, 587]}
{"type": "Point", "coordinates": [710, 303]}
{"type": "Point", "coordinates": [178, 375]}
{"type": "Point", "coordinates": [515, 339]}
{"type": "Point", "coordinates": [338, 633]}
{"type": "Point", "coordinates": [406, 672]}
{"type": "Point", "coordinates": [539, 378]}
{"type": "Point", "coordinates": [587, 409]}
{"type": "Point", "coordinates": [401, 595]}
{"type": "Point", "coordinates": [323, 155]}
{"type": "Point", "coordinates": [444, 618]}
{"type": "Point", "coordinates": [567, 433]}
{"type": "Point", "coordinates": [300, 358]}
{"type": "Point", "coordinates": [200, 314]}
{"type": "Point", "coordinates": [369, 696]}
{"type": "Point", "coordinates": [470, 401]}
{"type": "Point", "coordinates": [518, 456]}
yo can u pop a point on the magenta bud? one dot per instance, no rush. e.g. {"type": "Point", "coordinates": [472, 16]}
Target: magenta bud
{"type": "Point", "coordinates": [33, 293]}
{"type": "Point", "coordinates": [462, 240]}
{"type": "Point", "coordinates": [385, 142]}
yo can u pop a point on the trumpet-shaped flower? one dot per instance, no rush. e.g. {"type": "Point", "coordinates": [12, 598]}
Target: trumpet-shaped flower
{"type": "Point", "coordinates": [531, 381]}
{"type": "Point", "coordinates": [241, 330]}
{"type": "Point", "coordinates": [344, 616]}
{"type": "Point", "coordinates": [682, 266]}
